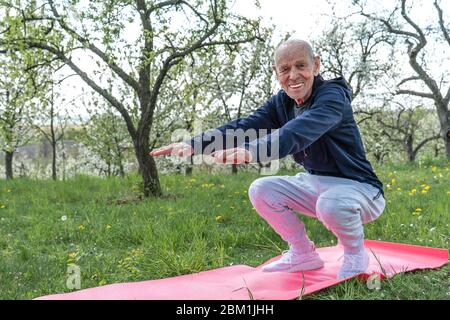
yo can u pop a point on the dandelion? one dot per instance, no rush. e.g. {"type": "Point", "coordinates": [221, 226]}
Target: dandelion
{"type": "Point", "coordinates": [8, 190]}
{"type": "Point", "coordinates": [424, 191]}
{"type": "Point", "coordinates": [219, 219]}
{"type": "Point", "coordinates": [399, 189]}
{"type": "Point", "coordinates": [73, 255]}
{"type": "Point", "coordinates": [2, 206]}
{"type": "Point", "coordinates": [434, 168]}
{"type": "Point", "coordinates": [108, 226]}
{"type": "Point", "coordinates": [63, 218]}
{"type": "Point", "coordinates": [81, 227]}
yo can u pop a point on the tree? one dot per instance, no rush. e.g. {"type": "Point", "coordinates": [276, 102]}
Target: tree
{"type": "Point", "coordinates": [106, 136]}
{"type": "Point", "coordinates": [21, 88]}
{"type": "Point", "coordinates": [408, 128]}
{"type": "Point", "coordinates": [47, 119]}
{"type": "Point", "coordinates": [416, 40]}
{"type": "Point", "coordinates": [167, 32]}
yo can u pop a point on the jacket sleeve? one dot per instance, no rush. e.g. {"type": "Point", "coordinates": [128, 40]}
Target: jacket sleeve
{"type": "Point", "coordinates": [226, 136]}
{"type": "Point", "coordinates": [300, 132]}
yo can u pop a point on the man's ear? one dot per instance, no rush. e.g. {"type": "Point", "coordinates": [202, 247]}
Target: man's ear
{"type": "Point", "coordinates": [275, 70]}
{"type": "Point", "coordinates": [316, 65]}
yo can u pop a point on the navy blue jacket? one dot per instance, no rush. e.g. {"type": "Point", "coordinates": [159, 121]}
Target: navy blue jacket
{"type": "Point", "coordinates": [324, 138]}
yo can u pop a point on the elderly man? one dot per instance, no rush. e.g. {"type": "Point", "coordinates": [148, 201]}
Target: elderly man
{"type": "Point", "coordinates": [311, 119]}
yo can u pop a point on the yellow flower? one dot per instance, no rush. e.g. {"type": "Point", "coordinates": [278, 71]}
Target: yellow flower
{"type": "Point", "coordinates": [413, 191]}
{"type": "Point", "coordinates": [2, 206]}
{"type": "Point", "coordinates": [418, 210]}
{"type": "Point", "coordinates": [399, 189]}
{"type": "Point", "coordinates": [424, 191]}
{"type": "Point", "coordinates": [219, 218]}
{"type": "Point", "coordinates": [393, 181]}
{"type": "Point", "coordinates": [434, 168]}
{"type": "Point", "coordinates": [448, 192]}
{"type": "Point", "coordinates": [72, 256]}
{"type": "Point", "coordinates": [108, 226]}
{"type": "Point", "coordinates": [81, 227]}
{"type": "Point", "coordinates": [8, 190]}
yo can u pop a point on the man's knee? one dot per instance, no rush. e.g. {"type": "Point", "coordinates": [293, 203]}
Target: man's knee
{"type": "Point", "coordinates": [335, 212]}
{"type": "Point", "coordinates": [262, 188]}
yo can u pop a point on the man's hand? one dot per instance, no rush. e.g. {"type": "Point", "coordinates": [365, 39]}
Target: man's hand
{"type": "Point", "coordinates": [233, 156]}
{"type": "Point", "coordinates": [180, 149]}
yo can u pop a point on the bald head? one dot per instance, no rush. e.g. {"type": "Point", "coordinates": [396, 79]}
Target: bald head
{"type": "Point", "coordinates": [296, 66]}
{"type": "Point", "coordinates": [293, 45]}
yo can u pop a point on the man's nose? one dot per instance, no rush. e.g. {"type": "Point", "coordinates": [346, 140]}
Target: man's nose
{"type": "Point", "coordinates": [293, 73]}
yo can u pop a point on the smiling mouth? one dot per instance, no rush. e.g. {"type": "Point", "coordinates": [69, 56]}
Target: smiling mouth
{"type": "Point", "coordinates": [296, 86]}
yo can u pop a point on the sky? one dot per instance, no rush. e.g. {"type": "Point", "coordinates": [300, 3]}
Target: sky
{"type": "Point", "coordinates": [306, 19]}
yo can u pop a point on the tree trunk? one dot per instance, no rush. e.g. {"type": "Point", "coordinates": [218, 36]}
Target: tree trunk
{"type": "Point", "coordinates": [444, 120]}
{"type": "Point", "coordinates": [54, 177]}
{"type": "Point", "coordinates": [410, 149]}
{"type": "Point", "coordinates": [121, 169]}
{"type": "Point", "coordinates": [8, 164]}
{"type": "Point", "coordinates": [147, 167]}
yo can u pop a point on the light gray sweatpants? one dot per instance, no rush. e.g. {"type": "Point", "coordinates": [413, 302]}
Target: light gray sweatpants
{"type": "Point", "coordinates": [342, 205]}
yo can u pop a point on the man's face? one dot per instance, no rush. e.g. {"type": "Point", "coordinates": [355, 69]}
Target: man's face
{"type": "Point", "coordinates": [295, 70]}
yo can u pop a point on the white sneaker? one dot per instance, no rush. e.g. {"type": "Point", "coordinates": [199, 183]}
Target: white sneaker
{"type": "Point", "coordinates": [295, 262]}
{"type": "Point", "coordinates": [353, 264]}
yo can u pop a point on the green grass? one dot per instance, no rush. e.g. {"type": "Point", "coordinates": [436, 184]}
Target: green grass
{"type": "Point", "coordinates": [203, 222]}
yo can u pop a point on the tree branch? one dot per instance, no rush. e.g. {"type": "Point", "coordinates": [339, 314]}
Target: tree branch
{"type": "Point", "coordinates": [441, 23]}
{"type": "Point", "coordinates": [110, 98]}
{"type": "Point", "coordinates": [102, 55]}
{"type": "Point", "coordinates": [416, 93]}
{"type": "Point", "coordinates": [423, 142]}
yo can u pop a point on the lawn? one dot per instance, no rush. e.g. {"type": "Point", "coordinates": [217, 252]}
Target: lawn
{"type": "Point", "coordinates": [203, 222]}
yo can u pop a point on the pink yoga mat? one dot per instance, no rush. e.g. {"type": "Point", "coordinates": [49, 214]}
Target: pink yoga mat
{"type": "Point", "coordinates": [235, 282]}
